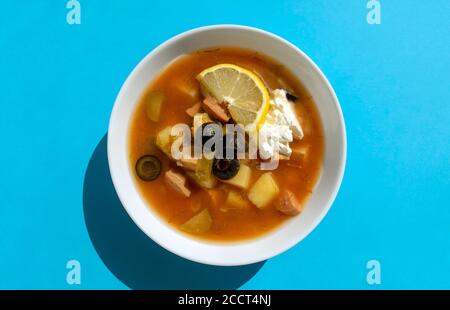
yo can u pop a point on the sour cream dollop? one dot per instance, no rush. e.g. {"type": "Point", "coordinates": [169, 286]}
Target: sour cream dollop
{"type": "Point", "coordinates": [280, 127]}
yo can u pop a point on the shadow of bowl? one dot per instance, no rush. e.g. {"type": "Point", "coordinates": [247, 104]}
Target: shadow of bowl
{"type": "Point", "coordinates": [130, 255]}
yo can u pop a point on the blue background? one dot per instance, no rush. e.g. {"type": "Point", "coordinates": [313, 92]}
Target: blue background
{"type": "Point", "coordinates": [57, 86]}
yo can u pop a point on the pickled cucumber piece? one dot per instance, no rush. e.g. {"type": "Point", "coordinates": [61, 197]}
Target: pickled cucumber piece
{"type": "Point", "coordinates": [153, 105]}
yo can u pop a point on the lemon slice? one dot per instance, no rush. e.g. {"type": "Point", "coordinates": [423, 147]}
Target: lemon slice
{"type": "Point", "coordinates": [245, 93]}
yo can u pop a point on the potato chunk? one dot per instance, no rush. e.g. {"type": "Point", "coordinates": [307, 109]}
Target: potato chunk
{"type": "Point", "coordinates": [263, 191]}
{"type": "Point", "coordinates": [199, 223]}
{"type": "Point", "coordinates": [235, 201]}
{"type": "Point", "coordinates": [207, 183]}
{"type": "Point", "coordinates": [164, 140]}
{"type": "Point", "coordinates": [242, 178]}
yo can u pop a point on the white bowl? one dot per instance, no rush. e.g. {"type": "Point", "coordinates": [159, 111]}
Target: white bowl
{"type": "Point", "coordinates": [288, 234]}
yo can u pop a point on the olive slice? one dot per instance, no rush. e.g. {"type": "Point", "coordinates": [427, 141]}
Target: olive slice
{"type": "Point", "coordinates": [291, 97]}
{"type": "Point", "coordinates": [225, 169]}
{"type": "Point", "coordinates": [148, 167]}
{"type": "Point", "coordinates": [207, 132]}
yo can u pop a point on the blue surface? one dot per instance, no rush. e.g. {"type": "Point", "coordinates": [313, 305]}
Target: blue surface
{"type": "Point", "coordinates": [57, 86]}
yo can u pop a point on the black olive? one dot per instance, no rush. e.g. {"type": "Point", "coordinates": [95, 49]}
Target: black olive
{"type": "Point", "coordinates": [291, 97]}
{"type": "Point", "coordinates": [225, 169]}
{"type": "Point", "coordinates": [148, 167]}
{"type": "Point", "coordinates": [207, 132]}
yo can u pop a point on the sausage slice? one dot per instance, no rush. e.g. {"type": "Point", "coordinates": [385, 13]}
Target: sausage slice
{"type": "Point", "coordinates": [289, 204]}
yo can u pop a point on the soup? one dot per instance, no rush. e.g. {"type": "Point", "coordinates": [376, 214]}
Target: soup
{"type": "Point", "coordinates": [226, 199]}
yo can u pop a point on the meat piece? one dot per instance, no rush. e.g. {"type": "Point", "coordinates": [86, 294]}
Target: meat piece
{"type": "Point", "coordinates": [289, 204]}
{"type": "Point", "coordinates": [178, 182]}
{"type": "Point", "coordinates": [194, 109]}
{"type": "Point", "coordinates": [188, 163]}
{"type": "Point", "coordinates": [215, 109]}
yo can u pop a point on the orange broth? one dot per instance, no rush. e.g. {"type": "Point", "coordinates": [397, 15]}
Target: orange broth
{"type": "Point", "coordinates": [181, 89]}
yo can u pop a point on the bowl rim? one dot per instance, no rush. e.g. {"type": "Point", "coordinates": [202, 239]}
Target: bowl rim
{"type": "Point", "coordinates": [341, 163]}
